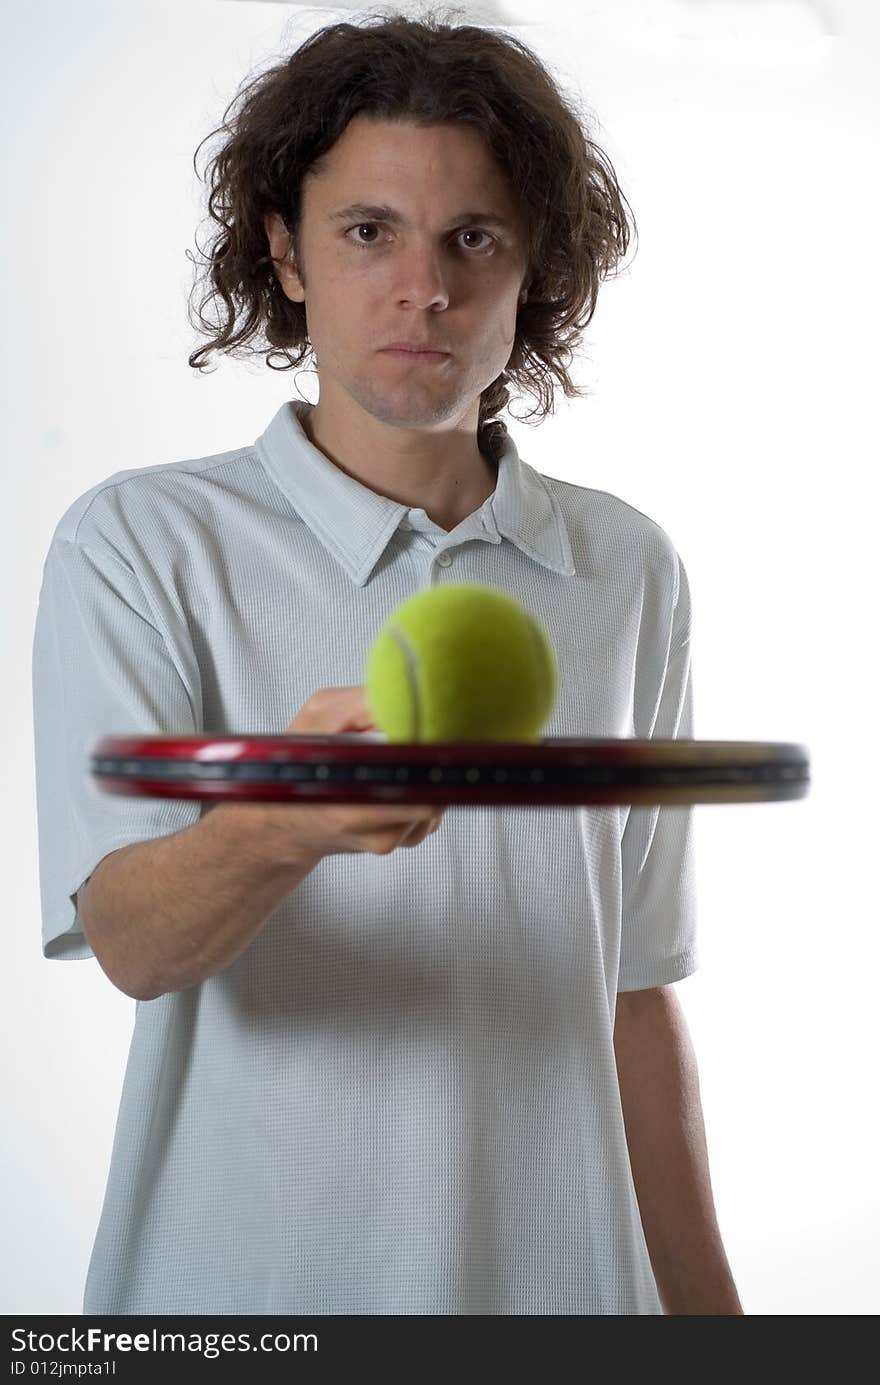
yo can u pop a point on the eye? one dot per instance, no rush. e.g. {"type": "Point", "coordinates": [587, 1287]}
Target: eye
{"type": "Point", "coordinates": [360, 226]}
{"type": "Point", "coordinates": [475, 231]}
{"type": "Point", "coordinates": [468, 231]}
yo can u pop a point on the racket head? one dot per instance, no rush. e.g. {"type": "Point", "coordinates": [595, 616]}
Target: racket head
{"type": "Point", "coordinates": [367, 768]}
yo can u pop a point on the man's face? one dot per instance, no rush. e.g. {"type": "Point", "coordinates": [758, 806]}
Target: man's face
{"type": "Point", "coordinates": [370, 281]}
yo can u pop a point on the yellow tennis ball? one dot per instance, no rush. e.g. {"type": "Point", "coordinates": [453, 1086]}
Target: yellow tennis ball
{"type": "Point", "coordinates": [462, 662]}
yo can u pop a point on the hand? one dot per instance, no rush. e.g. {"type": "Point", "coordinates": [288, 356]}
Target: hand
{"type": "Point", "coordinates": [329, 829]}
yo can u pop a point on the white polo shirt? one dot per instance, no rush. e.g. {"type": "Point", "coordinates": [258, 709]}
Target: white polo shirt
{"type": "Point", "coordinates": [402, 1097]}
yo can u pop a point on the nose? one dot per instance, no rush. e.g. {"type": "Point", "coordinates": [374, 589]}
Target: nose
{"type": "Point", "coordinates": [421, 281]}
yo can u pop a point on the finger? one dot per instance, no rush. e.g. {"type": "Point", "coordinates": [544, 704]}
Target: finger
{"type": "Point", "coordinates": [416, 835]}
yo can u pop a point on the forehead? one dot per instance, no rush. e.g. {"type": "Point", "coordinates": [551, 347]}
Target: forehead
{"type": "Point", "coordinates": [374, 158]}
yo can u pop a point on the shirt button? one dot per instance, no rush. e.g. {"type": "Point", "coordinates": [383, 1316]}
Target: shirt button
{"type": "Point", "coordinates": [444, 560]}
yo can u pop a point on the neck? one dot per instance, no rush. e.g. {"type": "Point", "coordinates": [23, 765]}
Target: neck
{"type": "Point", "coordinates": [447, 476]}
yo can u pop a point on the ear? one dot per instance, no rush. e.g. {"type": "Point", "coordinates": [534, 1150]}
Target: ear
{"type": "Point", "coordinates": [279, 248]}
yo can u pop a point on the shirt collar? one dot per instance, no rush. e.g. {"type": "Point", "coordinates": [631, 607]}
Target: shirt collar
{"type": "Point", "coordinates": [355, 524]}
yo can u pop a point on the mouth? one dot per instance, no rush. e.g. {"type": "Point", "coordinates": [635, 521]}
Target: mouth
{"type": "Point", "coordinates": [407, 354]}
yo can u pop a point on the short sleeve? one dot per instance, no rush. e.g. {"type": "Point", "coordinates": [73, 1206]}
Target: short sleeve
{"type": "Point", "coordinates": [100, 667]}
{"type": "Point", "coordinates": [659, 917]}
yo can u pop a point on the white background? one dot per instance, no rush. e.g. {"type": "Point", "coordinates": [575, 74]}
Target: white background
{"type": "Point", "coordinates": [733, 373]}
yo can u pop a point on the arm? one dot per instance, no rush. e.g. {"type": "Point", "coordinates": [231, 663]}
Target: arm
{"type": "Point", "coordinates": [660, 1095]}
{"type": "Point", "coordinates": [165, 914]}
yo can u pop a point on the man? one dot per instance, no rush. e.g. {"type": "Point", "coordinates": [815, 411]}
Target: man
{"type": "Point", "coordinates": [452, 1080]}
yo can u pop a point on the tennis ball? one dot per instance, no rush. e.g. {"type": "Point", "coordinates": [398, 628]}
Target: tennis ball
{"type": "Point", "coordinates": [461, 662]}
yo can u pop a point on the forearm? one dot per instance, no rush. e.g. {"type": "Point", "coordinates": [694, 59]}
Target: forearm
{"type": "Point", "coordinates": [163, 915]}
{"type": "Point", "coordinates": [665, 1131]}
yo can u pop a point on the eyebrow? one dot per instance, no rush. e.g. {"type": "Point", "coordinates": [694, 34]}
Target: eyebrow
{"type": "Point", "coordinates": [367, 212]}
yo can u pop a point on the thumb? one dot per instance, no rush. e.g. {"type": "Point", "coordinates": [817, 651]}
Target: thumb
{"type": "Point", "coordinates": [333, 711]}
{"type": "Point", "coordinates": [362, 710]}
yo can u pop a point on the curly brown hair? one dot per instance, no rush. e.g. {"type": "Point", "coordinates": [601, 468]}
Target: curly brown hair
{"type": "Point", "coordinates": [426, 72]}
